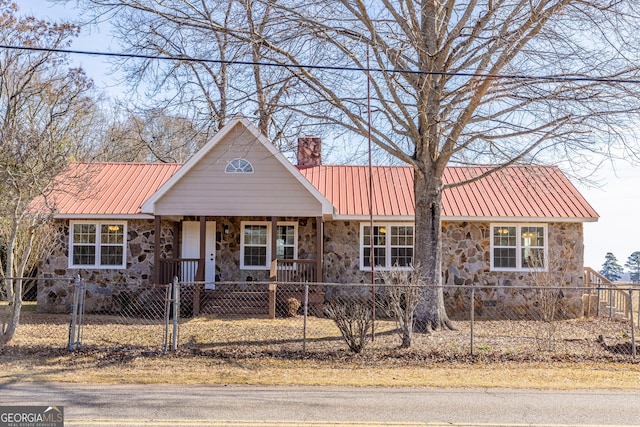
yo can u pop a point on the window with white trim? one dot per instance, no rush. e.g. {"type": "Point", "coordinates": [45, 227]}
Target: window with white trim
{"type": "Point", "coordinates": [97, 244]}
{"type": "Point", "coordinates": [518, 247]}
{"type": "Point", "coordinates": [392, 245]}
{"type": "Point", "coordinates": [239, 166]}
{"type": "Point", "coordinates": [255, 244]}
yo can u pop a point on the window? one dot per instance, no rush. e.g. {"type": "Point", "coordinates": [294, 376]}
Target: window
{"type": "Point", "coordinates": [97, 244]}
{"type": "Point", "coordinates": [518, 247]}
{"type": "Point", "coordinates": [287, 242]}
{"type": "Point", "coordinates": [239, 166]}
{"type": "Point", "coordinates": [255, 245]}
{"type": "Point", "coordinates": [392, 245]}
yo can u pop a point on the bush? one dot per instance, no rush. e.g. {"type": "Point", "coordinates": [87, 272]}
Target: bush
{"type": "Point", "coordinates": [353, 316]}
{"type": "Point", "coordinates": [404, 290]}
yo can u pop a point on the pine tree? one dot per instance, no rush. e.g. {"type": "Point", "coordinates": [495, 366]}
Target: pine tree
{"type": "Point", "coordinates": [633, 264]}
{"type": "Point", "coordinates": [611, 269]}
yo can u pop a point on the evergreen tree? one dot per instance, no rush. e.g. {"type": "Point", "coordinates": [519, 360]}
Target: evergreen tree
{"type": "Point", "coordinates": [633, 264]}
{"type": "Point", "coordinates": [611, 269]}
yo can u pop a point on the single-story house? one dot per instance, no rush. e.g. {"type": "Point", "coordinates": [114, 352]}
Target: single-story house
{"type": "Point", "coordinates": [239, 209]}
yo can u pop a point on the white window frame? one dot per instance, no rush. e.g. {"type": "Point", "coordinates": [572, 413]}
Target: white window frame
{"type": "Point", "coordinates": [388, 246]}
{"type": "Point", "coordinates": [239, 165]}
{"type": "Point", "coordinates": [295, 236]}
{"type": "Point", "coordinates": [98, 245]}
{"type": "Point", "coordinates": [519, 246]}
{"type": "Point", "coordinates": [267, 265]}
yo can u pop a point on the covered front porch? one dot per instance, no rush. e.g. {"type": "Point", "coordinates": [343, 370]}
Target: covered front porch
{"type": "Point", "coordinates": [241, 265]}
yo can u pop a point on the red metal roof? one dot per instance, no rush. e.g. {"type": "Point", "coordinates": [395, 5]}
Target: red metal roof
{"type": "Point", "coordinates": [108, 188]}
{"type": "Point", "coordinates": [518, 192]}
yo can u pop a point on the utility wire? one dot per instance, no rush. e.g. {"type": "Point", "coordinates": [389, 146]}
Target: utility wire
{"type": "Point", "coordinates": [328, 67]}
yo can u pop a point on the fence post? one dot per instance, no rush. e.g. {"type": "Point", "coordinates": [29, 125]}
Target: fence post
{"type": "Point", "coordinates": [176, 313]}
{"type": "Point", "coordinates": [306, 312]}
{"type": "Point", "coordinates": [272, 300]}
{"type": "Point", "coordinates": [633, 334]}
{"type": "Point", "coordinates": [167, 315]}
{"type": "Point", "coordinates": [472, 316]}
{"type": "Point", "coordinates": [77, 311]}
{"type": "Point", "coordinates": [74, 316]}
{"type": "Point", "coordinates": [83, 289]}
{"type": "Point", "coordinates": [611, 302]}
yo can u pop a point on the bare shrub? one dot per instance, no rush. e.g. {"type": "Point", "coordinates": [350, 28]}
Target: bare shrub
{"type": "Point", "coordinates": [403, 293]}
{"type": "Point", "coordinates": [549, 277]}
{"type": "Point", "coordinates": [353, 316]}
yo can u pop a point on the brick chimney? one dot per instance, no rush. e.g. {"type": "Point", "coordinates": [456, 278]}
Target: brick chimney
{"type": "Point", "coordinates": [309, 151]}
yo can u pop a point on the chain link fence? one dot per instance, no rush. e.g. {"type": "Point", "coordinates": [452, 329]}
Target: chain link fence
{"type": "Point", "coordinates": [140, 317]}
{"type": "Point", "coordinates": [311, 320]}
{"type": "Point", "coordinates": [510, 323]}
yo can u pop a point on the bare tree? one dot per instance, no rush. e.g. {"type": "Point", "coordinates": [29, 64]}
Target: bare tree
{"type": "Point", "coordinates": [149, 136]}
{"type": "Point", "coordinates": [44, 114]}
{"type": "Point", "coordinates": [438, 95]}
{"type": "Point", "coordinates": [206, 92]}
{"type": "Point", "coordinates": [451, 81]}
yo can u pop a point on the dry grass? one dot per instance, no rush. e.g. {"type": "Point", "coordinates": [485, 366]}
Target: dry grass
{"type": "Point", "coordinates": [269, 352]}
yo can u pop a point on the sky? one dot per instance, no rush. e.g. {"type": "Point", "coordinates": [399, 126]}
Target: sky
{"type": "Point", "coordinates": [616, 199]}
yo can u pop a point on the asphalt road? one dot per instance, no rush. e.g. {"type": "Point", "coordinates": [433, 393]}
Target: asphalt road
{"type": "Point", "coordinates": [170, 405]}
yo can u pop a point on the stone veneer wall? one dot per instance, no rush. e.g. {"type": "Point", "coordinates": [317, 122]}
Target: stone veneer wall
{"type": "Point", "coordinates": [228, 247]}
{"type": "Point", "coordinates": [466, 256]}
{"type": "Point", "coordinates": [104, 286]}
{"type": "Point", "coordinates": [108, 289]}
{"type": "Point", "coordinates": [466, 261]}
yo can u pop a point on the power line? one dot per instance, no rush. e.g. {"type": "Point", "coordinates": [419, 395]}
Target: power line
{"type": "Point", "coordinates": [328, 67]}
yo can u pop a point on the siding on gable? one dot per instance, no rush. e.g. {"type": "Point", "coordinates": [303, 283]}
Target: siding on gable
{"type": "Point", "coordinates": [269, 191]}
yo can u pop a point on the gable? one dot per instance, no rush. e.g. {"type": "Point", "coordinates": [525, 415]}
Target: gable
{"type": "Point", "coordinates": [204, 187]}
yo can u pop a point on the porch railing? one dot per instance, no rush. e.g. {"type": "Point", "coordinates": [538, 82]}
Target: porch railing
{"type": "Point", "coordinates": [294, 270]}
{"type": "Point", "coordinates": [185, 269]}
{"type": "Point", "coordinates": [614, 298]}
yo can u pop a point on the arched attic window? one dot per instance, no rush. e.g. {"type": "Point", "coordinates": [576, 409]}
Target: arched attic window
{"type": "Point", "coordinates": [239, 166]}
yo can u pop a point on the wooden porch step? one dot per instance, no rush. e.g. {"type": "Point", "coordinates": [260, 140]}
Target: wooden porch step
{"type": "Point", "coordinates": [251, 303]}
{"type": "Point", "coordinates": [235, 303]}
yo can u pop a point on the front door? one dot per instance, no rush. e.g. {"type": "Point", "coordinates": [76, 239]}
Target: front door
{"type": "Point", "coordinates": [191, 250]}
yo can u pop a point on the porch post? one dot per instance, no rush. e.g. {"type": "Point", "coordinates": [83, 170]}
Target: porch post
{"type": "Point", "coordinates": [157, 231]}
{"type": "Point", "coordinates": [319, 247]}
{"type": "Point", "coordinates": [177, 247]}
{"type": "Point", "coordinates": [203, 249]}
{"type": "Point", "coordinates": [274, 254]}
{"type": "Point", "coordinates": [274, 238]}
{"type": "Point", "coordinates": [201, 266]}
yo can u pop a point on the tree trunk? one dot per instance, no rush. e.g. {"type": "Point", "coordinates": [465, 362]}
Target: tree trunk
{"type": "Point", "coordinates": [10, 319]}
{"type": "Point", "coordinates": [14, 283]}
{"type": "Point", "coordinates": [430, 313]}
